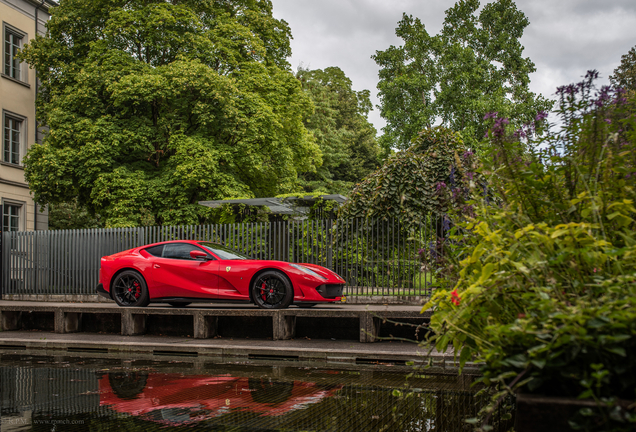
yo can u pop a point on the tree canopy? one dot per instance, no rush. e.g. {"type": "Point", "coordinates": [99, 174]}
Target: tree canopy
{"type": "Point", "coordinates": [625, 74]}
{"type": "Point", "coordinates": [472, 67]}
{"type": "Point", "coordinates": [342, 131]}
{"type": "Point", "coordinates": [431, 177]}
{"type": "Point", "coordinates": [154, 105]}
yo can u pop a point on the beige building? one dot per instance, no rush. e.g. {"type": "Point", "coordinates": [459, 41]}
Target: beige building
{"type": "Point", "coordinates": [20, 19]}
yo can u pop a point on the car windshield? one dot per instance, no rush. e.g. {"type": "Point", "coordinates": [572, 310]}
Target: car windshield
{"type": "Point", "coordinates": [223, 252]}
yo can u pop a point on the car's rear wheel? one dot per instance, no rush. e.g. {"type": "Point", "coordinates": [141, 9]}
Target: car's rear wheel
{"type": "Point", "coordinates": [179, 304]}
{"type": "Point", "coordinates": [129, 289]}
{"type": "Point", "coordinates": [272, 290]}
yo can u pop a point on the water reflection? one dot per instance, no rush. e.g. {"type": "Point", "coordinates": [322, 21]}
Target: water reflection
{"type": "Point", "coordinates": [64, 393]}
{"type": "Point", "coordinates": [175, 399]}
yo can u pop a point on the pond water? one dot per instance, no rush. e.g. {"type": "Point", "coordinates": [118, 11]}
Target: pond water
{"type": "Point", "coordinates": [45, 393]}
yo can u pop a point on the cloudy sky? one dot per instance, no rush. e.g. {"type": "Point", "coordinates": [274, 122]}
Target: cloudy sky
{"type": "Point", "coordinates": [565, 38]}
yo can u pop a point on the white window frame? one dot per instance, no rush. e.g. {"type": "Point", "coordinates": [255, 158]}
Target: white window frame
{"type": "Point", "coordinates": [21, 212]}
{"type": "Point", "coordinates": [7, 119]}
{"type": "Point", "coordinates": [22, 69]}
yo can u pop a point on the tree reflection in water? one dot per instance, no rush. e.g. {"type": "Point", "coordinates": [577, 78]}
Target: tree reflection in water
{"type": "Point", "coordinates": [104, 395]}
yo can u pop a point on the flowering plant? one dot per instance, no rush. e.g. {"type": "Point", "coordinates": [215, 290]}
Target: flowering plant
{"type": "Point", "coordinates": [548, 278]}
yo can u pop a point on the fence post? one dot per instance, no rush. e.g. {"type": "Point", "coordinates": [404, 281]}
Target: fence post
{"type": "Point", "coordinates": [329, 244]}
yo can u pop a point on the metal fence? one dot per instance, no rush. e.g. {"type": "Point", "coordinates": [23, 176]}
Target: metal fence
{"type": "Point", "coordinates": [383, 258]}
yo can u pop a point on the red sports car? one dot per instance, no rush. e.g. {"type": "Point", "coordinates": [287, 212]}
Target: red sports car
{"type": "Point", "coordinates": [182, 272]}
{"type": "Point", "coordinates": [178, 400]}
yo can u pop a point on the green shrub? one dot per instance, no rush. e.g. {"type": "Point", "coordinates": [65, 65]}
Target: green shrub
{"type": "Point", "coordinates": [545, 296]}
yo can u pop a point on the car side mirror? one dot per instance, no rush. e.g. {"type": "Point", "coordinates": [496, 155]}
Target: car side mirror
{"type": "Point", "coordinates": [199, 255]}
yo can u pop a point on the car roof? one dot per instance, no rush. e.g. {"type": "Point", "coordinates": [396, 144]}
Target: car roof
{"type": "Point", "coordinates": [179, 241]}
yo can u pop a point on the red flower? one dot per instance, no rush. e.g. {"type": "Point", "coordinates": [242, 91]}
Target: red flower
{"type": "Point", "coordinates": [455, 297]}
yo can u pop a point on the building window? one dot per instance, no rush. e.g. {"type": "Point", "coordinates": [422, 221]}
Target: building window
{"type": "Point", "coordinates": [11, 217]}
{"type": "Point", "coordinates": [12, 44]}
{"type": "Point", "coordinates": [12, 139]}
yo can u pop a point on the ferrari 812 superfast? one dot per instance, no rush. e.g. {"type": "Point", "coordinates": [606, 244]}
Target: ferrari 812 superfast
{"type": "Point", "coordinates": [184, 271]}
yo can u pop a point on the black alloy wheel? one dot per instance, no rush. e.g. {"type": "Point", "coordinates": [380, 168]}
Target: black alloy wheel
{"type": "Point", "coordinates": [272, 290]}
{"type": "Point", "coordinates": [179, 304]}
{"type": "Point", "coordinates": [129, 289]}
{"type": "Point", "coordinates": [127, 385]}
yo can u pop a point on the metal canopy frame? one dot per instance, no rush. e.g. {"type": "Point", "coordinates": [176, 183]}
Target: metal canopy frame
{"type": "Point", "coordinates": [285, 206]}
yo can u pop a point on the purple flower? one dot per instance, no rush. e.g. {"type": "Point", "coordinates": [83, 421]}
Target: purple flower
{"type": "Point", "coordinates": [440, 186]}
{"type": "Point", "coordinates": [467, 154]}
{"type": "Point", "coordinates": [520, 133]}
{"type": "Point", "coordinates": [491, 115]}
{"type": "Point", "coordinates": [499, 129]}
{"type": "Point", "coordinates": [541, 115]}
{"type": "Point", "coordinates": [591, 74]}
{"type": "Point", "coordinates": [608, 121]}
{"type": "Point", "coordinates": [446, 223]}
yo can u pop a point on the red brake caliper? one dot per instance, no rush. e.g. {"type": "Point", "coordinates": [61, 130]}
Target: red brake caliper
{"type": "Point", "coordinates": [137, 290]}
{"type": "Point", "coordinates": [263, 290]}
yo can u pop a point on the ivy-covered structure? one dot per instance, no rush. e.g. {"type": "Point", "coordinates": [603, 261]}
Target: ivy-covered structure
{"type": "Point", "coordinates": [434, 175]}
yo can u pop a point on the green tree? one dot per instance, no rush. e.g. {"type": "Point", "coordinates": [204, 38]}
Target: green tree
{"type": "Point", "coordinates": [472, 67]}
{"type": "Point", "coordinates": [433, 176]}
{"type": "Point", "coordinates": [69, 215]}
{"type": "Point", "coordinates": [342, 131]}
{"type": "Point", "coordinates": [625, 74]}
{"type": "Point", "coordinates": [154, 105]}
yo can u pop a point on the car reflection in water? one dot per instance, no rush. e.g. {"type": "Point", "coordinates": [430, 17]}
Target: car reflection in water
{"type": "Point", "coordinates": [175, 399]}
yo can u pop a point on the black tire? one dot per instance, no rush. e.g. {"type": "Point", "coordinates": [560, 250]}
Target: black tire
{"type": "Point", "coordinates": [129, 289]}
{"type": "Point", "coordinates": [179, 304]}
{"type": "Point", "coordinates": [272, 290]}
{"type": "Point", "coordinates": [306, 305]}
{"type": "Point", "coordinates": [127, 385]}
{"type": "Point", "coordinates": [264, 390]}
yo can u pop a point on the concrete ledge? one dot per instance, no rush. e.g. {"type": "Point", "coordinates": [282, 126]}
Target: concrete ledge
{"type": "Point", "coordinates": [87, 298]}
{"type": "Point", "coordinates": [316, 353]}
{"type": "Point", "coordinates": [203, 321]}
{"type": "Point", "coordinates": [392, 300]}
{"type": "Point", "coordinates": [80, 298]}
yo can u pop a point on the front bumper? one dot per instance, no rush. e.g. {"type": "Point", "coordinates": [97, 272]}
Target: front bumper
{"type": "Point", "coordinates": [102, 292]}
{"type": "Point", "coordinates": [330, 291]}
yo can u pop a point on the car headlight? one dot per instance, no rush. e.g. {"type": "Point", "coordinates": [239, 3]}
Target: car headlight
{"type": "Point", "coordinates": [308, 271]}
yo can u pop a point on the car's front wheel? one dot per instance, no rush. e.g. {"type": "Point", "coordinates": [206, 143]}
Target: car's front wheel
{"type": "Point", "coordinates": [272, 290]}
{"type": "Point", "coordinates": [129, 289]}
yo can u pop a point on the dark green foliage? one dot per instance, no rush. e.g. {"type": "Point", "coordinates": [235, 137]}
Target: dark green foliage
{"type": "Point", "coordinates": [341, 129]}
{"type": "Point", "coordinates": [625, 74]}
{"type": "Point", "coordinates": [156, 105]}
{"type": "Point", "coordinates": [414, 182]}
{"type": "Point", "coordinates": [70, 215]}
{"type": "Point", "coordinates": [546, 290]}
{"type": "Point", "coordinates": [472, 67]}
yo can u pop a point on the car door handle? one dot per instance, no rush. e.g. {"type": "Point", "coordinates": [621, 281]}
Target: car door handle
{"type": "Point", "coordinates": [157, 266]}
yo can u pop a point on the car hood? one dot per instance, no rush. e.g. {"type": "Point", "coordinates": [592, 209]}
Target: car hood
{"type": "Point", "coordinates": [323, 271]}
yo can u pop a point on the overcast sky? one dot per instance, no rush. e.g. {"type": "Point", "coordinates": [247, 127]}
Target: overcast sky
{"type": "Point", "coordinates": [565, 38]}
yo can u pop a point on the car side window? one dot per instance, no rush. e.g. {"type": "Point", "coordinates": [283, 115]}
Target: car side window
{"type": "Point", "coordinates": [155, 250]}
{"type": "Point", "coordinates": [179, 250]}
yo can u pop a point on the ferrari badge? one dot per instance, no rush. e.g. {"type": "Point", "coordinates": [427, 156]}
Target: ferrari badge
{"type": "Point", "coordinates": [227, 269]}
